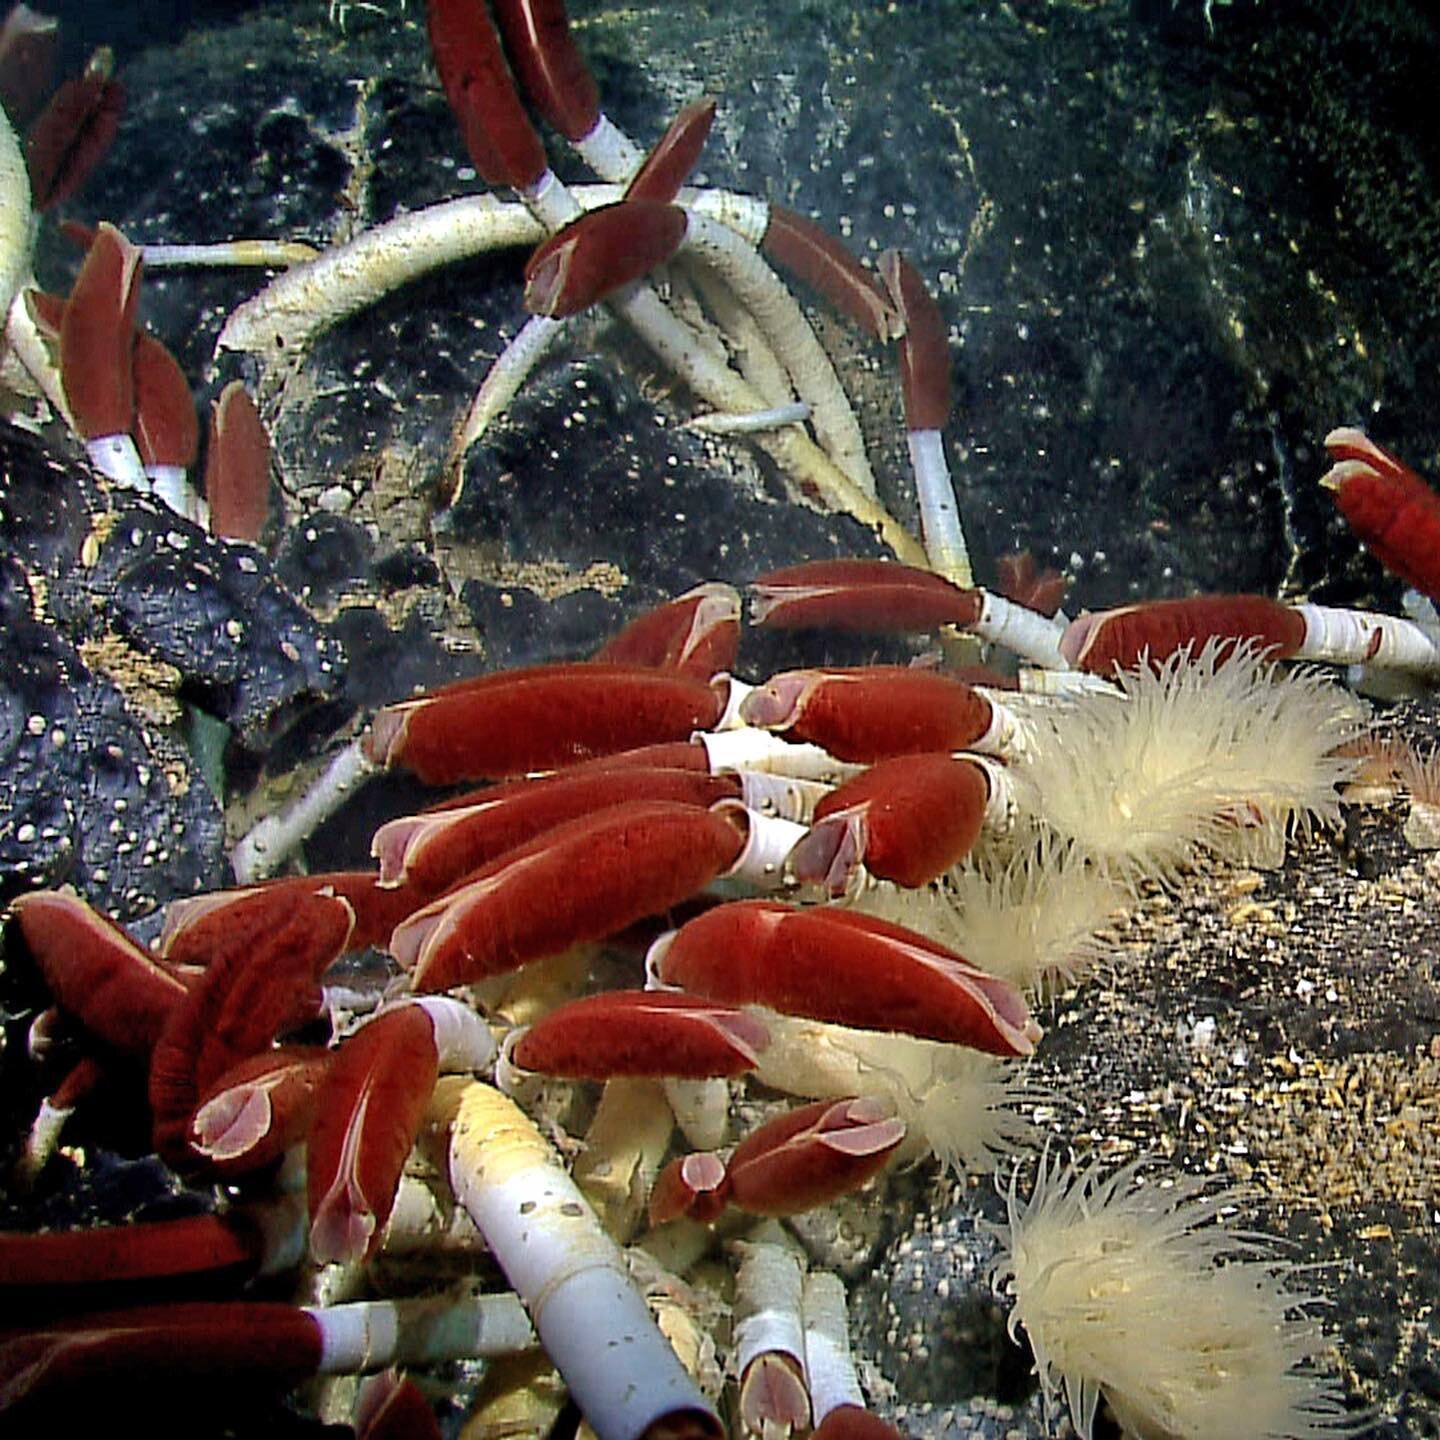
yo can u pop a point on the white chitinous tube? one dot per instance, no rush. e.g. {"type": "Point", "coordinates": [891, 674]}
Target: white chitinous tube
{"type": "Point", "coordinates": [785, 327]}
{"type": "Point", "coordinates": [464, 1043]}
{"type": "Point", "coordinates": [787, 797]}
{"type": "Point", "coordinates": [829, 1366]}
{"type": "Point", "coordinates": [505, 378]}
{"type": "Point", "coordinates": [749, 748]}
{"type": "Point", "coordinates": [593, 1323]}
{"type": "Point", "coordinates": [172, 485]}
{"type": "Point", "coordinates": [768, 842]}
{"type": "Point", "coordinates": [371, 1334]}
{"type": "Point", "coordinates": [701, 1109]}
{"type": "Point", "coordinates": [1062, 682]}
{"type": "Point", "coordinates": [17, 237]}
{"type": "Point", "coordinates": [747, 215]}
{"type": "Point", "coordinates": [939, 511]}
{"type": "Point", "coordinates": [1000, 804]}
{"type": "Point", "coordinates": [1022, 631]}
{"type": "Point", "coordinates": [1361, 637]}
{"type": "Point", "coordinates": [769, 1340]}
{"type": "Point", "coordinates": [609, 151]}
{"type": "Point", "coordinates": [268, 844]}
{"type": "Point", "coordinates": [116, 457]}
{"type": "Point", "coordinates": [795, 413]}
{"type": "Point", "coordinates": [736, 691]}
{"type": "Point", "coordinates": [270, 253]}
{"type": "Point", "coordinates": [1005, 734]}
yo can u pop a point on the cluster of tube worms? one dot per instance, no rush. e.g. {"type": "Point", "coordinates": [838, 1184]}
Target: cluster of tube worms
{"type": "Point", "coordinates": [663, 775]}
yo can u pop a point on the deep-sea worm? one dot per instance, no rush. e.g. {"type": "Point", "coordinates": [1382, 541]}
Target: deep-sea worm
{"type": "Point", "coordinates": [844, 967]}
{"type": "Point", "coordinates": [812, 1155]}
{"type": "Point", "coordinates": [1388, 506]}
{"type": "Point", "coordinates": [518, 721]}
{"type": "Point", "coordinates": [579, 881]}
{"type": "Point", "coordinates": [868, 713]}
{"type": "Point", "coordinates": [656, 1033]}
{"type": "Point", "coordinates": [908, 819]}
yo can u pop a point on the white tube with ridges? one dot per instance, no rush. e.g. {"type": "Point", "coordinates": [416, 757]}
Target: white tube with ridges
{"type": "Point", "coordinates": [593, 1323]}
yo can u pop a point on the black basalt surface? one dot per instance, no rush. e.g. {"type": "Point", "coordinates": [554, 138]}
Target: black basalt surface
{"type": "Point", "coordinates": [100, 790]}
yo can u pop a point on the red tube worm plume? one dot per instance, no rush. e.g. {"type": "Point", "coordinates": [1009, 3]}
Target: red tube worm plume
{"type": "Point", "coordinates": [1157, 630]}
{"type": "Point", "coordinates": [48, 312]}
{"type": "Point", "coordinates": [854, 1422]}
{"type": "Point", "coordinates": [1394, 513]}
{"type": "Point", "coordinates": [232, 927]}
{"type": "Point", "coordinates": [97, 336]}
{"type": "Point", "coordinates": [861, 595]}
{"type": "Point", "coordinates": [652, 1033]}
{"type": "Point", "coordinates": [247, 996]}
{"type": "Point", "coordinates": [137, 1250]}
{"type": "Point", "coordinates": [96, 972]}
{"type": "Point", "coordinates": [69, 1369]}
{"type": "Point", "coordinates": [847, 968]}
{"type": "Point", "coordinates": [548, 64]}
{"type": "Point", "coordinates": [698, 634]}
{"type": "Point", "coordinates": [581, 881]}
{"type": "Point", "coordinates": [197, 927]}
{"type": "Point", "coordinates": [812, 1155]}
{"type": "Point", "coordinates": [690, 1187]}
{"type": "Point", "coordinates": [667, 755]}
{"type": "Point", "coordinates": [391, 1407]}
{"type": "Point", "coordinates": [166, 430]}
{"type": "Point", "coordinates": [668, 165]}
{"type": "Point", "coordinates": [518, 721]}
{"type": "Point", "coordinates": [867, 713]}
{"type": "Point", "coordinates": [27, 60]}
{"type": "Point", "coordinates": [367, 1115]}
{"type": "Point", "coordinates": [69, 138]}
{"type": "Point", "coordinates": [924, 349]}
{"type": "Point", "coordinates": [237, 466]}
{"type": "Point", "coordinates": [907, 819]}
{"type": "Point", "coordinates": [1020, 579]}
{"type": "Point", "coordinates": [821, 261]}
{"type": "Point", "coordinates": [258, 1109]}
{"type": "Point", "coordinates": [428, 853]}
{"type": "Point", "coordinates": [603, 250]}
{"type": "Point", "coordinates": [498, 134]}
{"type": "Point", "coordinates": [772, 1396]}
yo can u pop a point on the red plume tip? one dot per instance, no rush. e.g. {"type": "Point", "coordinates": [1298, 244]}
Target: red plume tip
{"type": "Point", "coordinates": [27, 59]}
{"type": "Point", "coordinates": [237, 467]}
{"type": "Point", "coordinates": [549, 66]}
{"type": "Point", "coordinates": [498, 134]}
{"type": "Point", "coordinates": [924, 349]}
{"type": "Point", "coordinates": [166, 429]}
{"type": "Point", "coordinates": [667, 167]}
{"type": "Point", "coordinates": [97, 336]}
{"type": "Point", "coordinates": [600, 252]}
{"type": "Point", "coordinates": [70, 136]}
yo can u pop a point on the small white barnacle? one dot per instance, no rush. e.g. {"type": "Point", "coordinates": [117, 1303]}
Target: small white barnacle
{"type": "Point", "coordinates": [1137, 1290]}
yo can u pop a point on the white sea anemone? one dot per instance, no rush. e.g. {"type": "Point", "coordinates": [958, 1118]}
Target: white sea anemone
{"type": "Point", "coordinates": [1229, 755]}
{"type": "Point", "coordinates": [961, 1105]}
{"type": "Point", "coordinates": [1135, 1289]}
{"type": "Point", "coordinates": [1031, 919]}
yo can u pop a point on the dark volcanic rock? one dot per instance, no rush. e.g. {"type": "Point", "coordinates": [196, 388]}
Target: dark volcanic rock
{"type": "Point", "coordinates": [117, 611]}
